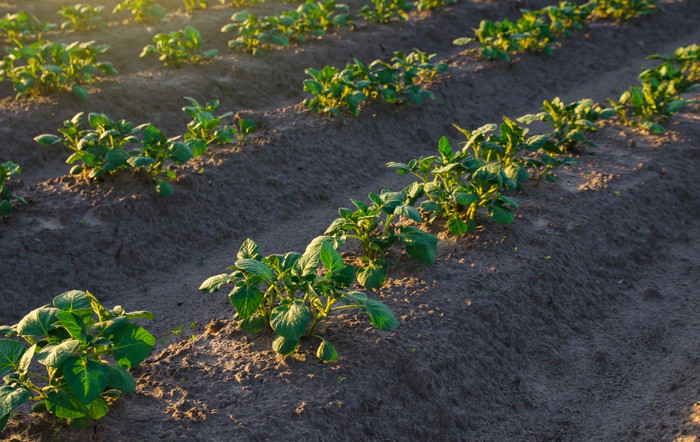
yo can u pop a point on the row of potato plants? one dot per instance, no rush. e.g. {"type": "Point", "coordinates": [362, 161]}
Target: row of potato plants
{"type": "Point", "coordinates": [539, 30]}
{"type": "Point", "coordinates": [461, 187]}
{"type": "Point", "coordinates": [399, 79]}
{"type": "Point", "coordinates": [103, 148]}
{"type": "Point", "coordinates": [87, 349]}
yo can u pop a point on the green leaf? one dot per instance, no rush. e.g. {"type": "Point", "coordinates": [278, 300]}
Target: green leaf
{"type": "Point", "coordinates": [79, 91]}
{"type": "Point", "coordinates": [246, 300]}
{"type": "Point", "coordinates": [64, 405]}
{"type": "Point", "coordinates": [85, 377]}
{"type": "Point", "coordinates": [330, 258]}
{"type": "Point", "coordinates": [421, 245]}
{"type": "Point", "coordinates": [380, 315]}
{"type": "Point", "coordinates": [675, 106]}
{"type": "Point", "coordinates": [284, 346]}
{"type": "Point", "coordinates": [47, 139]}
{"type": "Point", "coordinates": [457, 226]}
{"type": "Point", "coordinates": [290, 319]}
{"type": "Point", "coordinates": [53, 355]}
{"type": "Point", "coordinates": [371, 277]}
{"type": "Point", "coordinates": [120, 379]}
{"type": "Point", "coordinates": [249, 250]}
{"type": "Point", "coordinates": [306, 265]}
{"type": "Point", "coordinates": [409, 212]}
{"type": "Point", "coordinates": [73, 300]}
{"type": "Point", "coordinates": [132, 344]}
{"type": "Point", "coordinates": [26, 360]}
{"type": "Point", "coordinates": [97, 408]}
{"type": "Point", "coordinates": [164, 189]}
{"type": "Point", "coordinates": [214, 283]}
{"type": "Point", "coordinates": [74, 325]}
{"type": "Point", "coordinates": [253, 323]}
{"type": "Point", "coordinates": [326, 352]}
{"type": "Point", "coordinates": [11, 352]}
{"type": "Point", "coordinates": [38, 322]}
{"type": "Point", "coordinates": [500, 214]}
{"type": "Point", "coordinates": [11, 398]}
{"type": "Point", "coordinates": [255, 267]}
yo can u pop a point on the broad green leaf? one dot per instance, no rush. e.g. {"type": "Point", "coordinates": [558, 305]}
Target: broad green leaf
{"type": "Point", "coordinates": [80, 91]}
{"type": "Point", "coordinates": [53, 355]}
{"type": "Point", "coordinates": [140, 161]}
{"type": "Point", "coordinates": [371, 277]}
{"type": "Point", "coordinates": [64, 405]}
{"type": "Point", "coordinates": [85, 377]}
{"type": "Point", "coordinates": [465, 198]}
{"type": "Point", "coordinates": [180, 153]}
{"type": "Point", "coordinates": [409, 212]}
{"type": "Point", "coordinates": [457, 226]}
{"type": "Point", "coordinates": [97, 408]}
{"type": "Point", "coordinates": [421, 245]}
{"type": "Point", "coordinates": [255, 267]}
{"type": "Point", "coordinates": [430, 206]}
{"type": "Point", "coordinates": [380, 315]}
{"type": "Point", "coordinates": [253, 323]}
{"type": "Point", "coordinates": [214, 283]}
{"type": "Point", "coordinates": [11, 352]}
{"type": "Point", "coordinates": [26, 360]}
{"type": "Point", "coordinates": [120, 379]}
{"type": "Point", "coordinates": [74, 325]}
{"type": "Point", "coordinates": [326, 352]}
{"type": "Point", "coordinates": [290, 319]}
{"type": "Point", "coordinates": [246, 300]}
{"type": "Point", "coordinates": [330, 258]}
{"type": "Point", "coordinates": [72, 300]}
{"type": "Point", "coordinates": [675, 106]}
{"type": "Point", "coordinates": [501, 215]}
{"type": "Point", "coordinates": [132, 344]}
{"type": "Point", "coordinates": [11, 398]}
{"type": "Point", "coordinates": [249, 250]}
{"type": "Point", "coordinates": [306, 265]}
{"type": "Point", "coordinates": [164, 189]}
{"type": "Point", "coordinates": [38, 322]}
{"type": "Point", "coordinates": [284, 346]}
{"type": "Point", "coordinates": [47, 139]}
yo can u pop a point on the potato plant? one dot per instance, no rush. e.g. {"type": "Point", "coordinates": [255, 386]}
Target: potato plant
{"type": "Point", "coordinates": [386, 10]}
{"type": "Point", "coordinates": [206, 129]}
{"type": "Point", "coordinates": [623, 9]}
{"type": "Point", "coordinates": [179, 47]}
{"type": "Point", "coordinates": [570, 122]}
{"type": "Point", "coordinates": [82, 17]}
{"type": "Point", "coordinates": [7, 198]}
{"type": "Point", "coordinates": [333, 90]}
{"type": "Point", "coordinates": [309, 19]}
{"type": "Point", "coordinates": [191, 5]}
{"type": "Point", "coordinates": [87, 351]}
{"type": "Point", "coordinates": [438, 5]}
{"type": "Point", "coordinates": [374, 227]}
{"type": "Point", "coordinates": [45, 67]}
{"type": "Point", "coordinates": [21, 28]}
{"type": "Point", "coordinates": [141, 10]}
{"type": "Point", "coordinates": [101, 149]}
{"type": "Point", "coordinates": [293, 293]}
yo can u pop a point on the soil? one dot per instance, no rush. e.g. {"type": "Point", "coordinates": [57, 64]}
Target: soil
{"type": "Point", "coordinates": [579, 321]}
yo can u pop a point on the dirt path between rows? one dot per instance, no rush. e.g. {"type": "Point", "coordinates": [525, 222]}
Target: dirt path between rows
{"type": "Point", "coordinates": [577, 322]}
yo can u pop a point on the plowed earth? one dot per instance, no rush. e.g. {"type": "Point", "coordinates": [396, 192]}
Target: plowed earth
{"type": "Point", "coordinates": [580, 321]}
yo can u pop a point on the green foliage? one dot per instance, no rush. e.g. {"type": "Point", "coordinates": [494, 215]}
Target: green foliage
{"type": "Point", "coordinates": [101, 149]}
{"type": "Point", "coordinates": [292, 293]}
{"type": "Point", "coordinates": [395, 81]}
{"type": "Point", "coordinates": [191, 5]}
{"type": "Point", "coordinates": [7, 170]}
{"type": "Point", "coordinates": [206, 129]}
{"type": "Point", "coordinates": [45, 67]}
{"type": "Point", "coordinates": [386, 10]}
{"type": "Point", "coordinates": [571, 122]}
{"type": "Point", "coordinates": [659, 94]}
{"type": "Point", "coordinates": [179, 47]}
{"type": "Point", "coordinates": [82, 17]}
{"type": "Point", "coordinates": [142, 10]}
{"type": "Point", "coordinates": [623, 9]}
{"type": "Point", "coordinates": [374, 227]}
{"type": "Point", "coordinates": [22, 28]}
{"type": "Point", "coordinates": [308, 20]}
{"type": "Point", "coordinates": [438, 5]}
{"type": "Point", "coordinates": [77, 339]}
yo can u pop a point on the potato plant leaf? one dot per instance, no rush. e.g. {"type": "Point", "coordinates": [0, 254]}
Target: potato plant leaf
{"type": "Point", "coordinates": [86, 378]}
{"type": "Point", "coordinates": [11, 397]}
{"type": "Point", "coordinates": [53, 355]}
{"type": "Point", "coordinates": [380, 315]}
{"type": "Point", "coordinates": [290, 319]}
{"type": "Point", "coordinates": [132, 344]}
{"type": "Point", "coordinates": [38, 322]}
{"type": "Point", "coordinates": [10, 354]}
{"type": "Point", "coordinates": [326, 352]}
{"type": "Point", "coordinates": [372, 276]}
{"type": "Point", "coordinates": [284, 346]}
{"type": "Point", "coordinates": [246, 300]}
{"type": "Point", "coordinates": [214, 283]}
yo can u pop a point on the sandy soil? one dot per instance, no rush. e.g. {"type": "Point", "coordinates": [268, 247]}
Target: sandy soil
{"type": "Point", "coordinates": [577, 322]}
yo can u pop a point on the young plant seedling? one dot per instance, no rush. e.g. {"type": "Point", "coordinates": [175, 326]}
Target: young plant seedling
{"type": "Point", "coordinates": [205, 128]}
{"type": "Point", "coordinates": [78, 341]}
{"type": "Point", "coordinates": [82, 17]}
{"type": "Point", "coordinates": [7, 198]}
{"type": "Point", "coordinates": [386, 10]}
{"type": "Point", "coordinates": [293, 293]}
{"type": "Point", "coordinates": [21, 28]}
{"type": "Point", "coordinates": [141, 10]}
{"type": "Point", "coordinates": [179, 47]}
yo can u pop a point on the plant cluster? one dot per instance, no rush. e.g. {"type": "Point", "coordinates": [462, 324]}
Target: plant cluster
{"type": "Point", "coordinates": [21, 28]}
{"type": "Point", "coordinates": [7, 170]}
{"type": "Point", "coordinates": [291, 295]}
{"type": "Point", "coordinates": [539, 30]}
{"type": "Point", "coordinates": [82, 17]}
{"type": "Point", "coordinates": [179, 47]}
{"type": "Point", "coordinates": [191, 5]}
{"type": "Point", "coordinates": [385, 10]}
{"type": "Point", "coordinates": [76, 340]}
{"type": "Point", "coordinates": [397, 80]}
{"type": "Point", "coordinates": [141, 10]}
{"type": "Point", "coordinates": [659, 94]}
{"type": "Point", "coordinates": [45, 66]}
{"type": "Point", "coordinates": [309, 19]}
{"type": "Point", "coordinates": [206, 129]}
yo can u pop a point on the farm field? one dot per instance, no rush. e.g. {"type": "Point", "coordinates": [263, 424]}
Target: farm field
{"type": "Point", "coordinates": [577, 321]}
